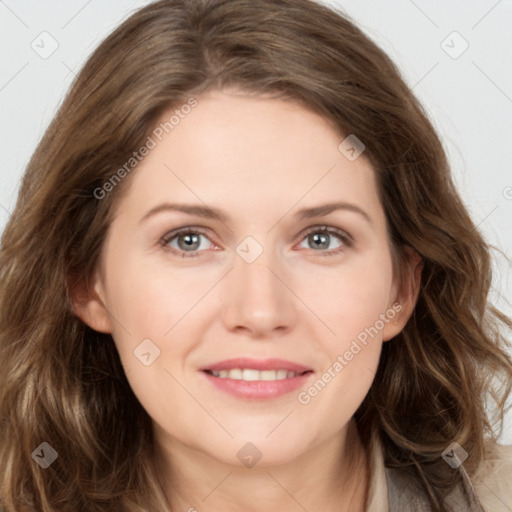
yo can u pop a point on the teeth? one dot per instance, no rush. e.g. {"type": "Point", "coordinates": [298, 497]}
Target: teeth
{"type": "Point", "coordinates": [249, 374]}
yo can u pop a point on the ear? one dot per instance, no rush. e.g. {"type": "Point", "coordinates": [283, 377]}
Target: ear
{"type": "Point", "coordinates": [88, 303]}
{"type": "Point", "coordinates": [405, 294]}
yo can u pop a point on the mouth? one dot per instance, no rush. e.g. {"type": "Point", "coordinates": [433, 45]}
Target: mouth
{"type": "Point", "coordinates": [250, 374]}
{"type": "Point", "coordinates": [257, 379]}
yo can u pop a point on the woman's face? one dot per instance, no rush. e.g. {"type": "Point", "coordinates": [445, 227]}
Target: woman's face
{"type": "Point", "coordinates": [259, 281]}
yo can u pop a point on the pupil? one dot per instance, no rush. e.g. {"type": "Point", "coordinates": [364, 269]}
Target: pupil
{"type": "Point", "coordinates": [323, 239]}
{"type": "Point", "coordinates": [190, 242]}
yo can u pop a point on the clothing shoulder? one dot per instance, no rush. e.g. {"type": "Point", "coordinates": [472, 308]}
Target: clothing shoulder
{"type": "Point", "coordinates": [493, 479]}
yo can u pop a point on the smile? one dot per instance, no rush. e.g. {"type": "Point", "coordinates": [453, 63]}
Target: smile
{"type": "Point", "coordinates": [248, 374]}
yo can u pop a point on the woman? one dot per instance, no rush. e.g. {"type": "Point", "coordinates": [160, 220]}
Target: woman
{"type": "Point", "coordinates": [239, 277]}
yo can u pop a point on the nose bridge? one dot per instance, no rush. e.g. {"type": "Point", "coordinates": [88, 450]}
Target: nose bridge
{"type": "Point", "coordinates": [255, 268]}
{"type": "Point", "coordinates": [258, 298]}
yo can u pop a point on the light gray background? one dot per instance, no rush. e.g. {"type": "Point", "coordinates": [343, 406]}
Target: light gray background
{"type": "Point", "coordinates": [468, 96]}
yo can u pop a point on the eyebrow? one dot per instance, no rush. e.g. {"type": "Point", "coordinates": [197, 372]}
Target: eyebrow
{"type": "Point", "coordinates": [208, 212]}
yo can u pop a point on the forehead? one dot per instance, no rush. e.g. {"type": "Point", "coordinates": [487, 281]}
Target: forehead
{"type": "Point", "coordinates": [250, 154]}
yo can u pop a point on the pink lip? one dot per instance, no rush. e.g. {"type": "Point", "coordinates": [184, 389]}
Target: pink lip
{"type": "Point", "coordinates": [258, 389]}
{"type": "Point", "coordinates": [256, 364]}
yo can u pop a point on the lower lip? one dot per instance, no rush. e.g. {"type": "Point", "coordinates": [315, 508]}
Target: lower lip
{"type": "Point", "coordinates": [259, 389]}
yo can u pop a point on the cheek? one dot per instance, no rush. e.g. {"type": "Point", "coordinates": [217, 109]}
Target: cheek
{"type": "Point", "coordinates": [150, 300]}
{"type": "Point", "coordinates": [156, 304]}
{"type": "Point", "coordinates": [147, 307]}
{"type": "Point", "coordinates": [354, 306]}
{"type": "Point", "coordinates": [352, 298]}
{"type": "Point", "coordinates": [353, 309]}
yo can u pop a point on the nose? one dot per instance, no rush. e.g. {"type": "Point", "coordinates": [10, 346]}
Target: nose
{"type": "Point", "coordinates": [259, 299]}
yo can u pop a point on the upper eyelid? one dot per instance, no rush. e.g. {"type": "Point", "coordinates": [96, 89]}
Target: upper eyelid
{"type": "Point", "coordinates": [185, 229]}
{"type": "Point", "coordinates": [331, 230]}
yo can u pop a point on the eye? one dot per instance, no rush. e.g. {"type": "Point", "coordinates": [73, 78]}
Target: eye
{"type": "Point", "coordinates": [320, 237]}
{"type": "Point", "coordinates": [185, 242]}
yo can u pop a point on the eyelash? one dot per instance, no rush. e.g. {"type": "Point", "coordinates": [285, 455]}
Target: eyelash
{"type": "Point", "coordinates": [346, 239]}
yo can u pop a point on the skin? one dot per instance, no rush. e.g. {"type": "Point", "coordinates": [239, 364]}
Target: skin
{"type": "Point", "coordinates": [259, 160]}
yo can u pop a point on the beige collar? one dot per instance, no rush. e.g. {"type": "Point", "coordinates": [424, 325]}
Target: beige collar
{"type": "Point", "coordinates": [393, 490]}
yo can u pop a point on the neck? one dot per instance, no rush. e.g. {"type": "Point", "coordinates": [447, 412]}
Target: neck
{"type": "Point", "coordinates": [332, 477]}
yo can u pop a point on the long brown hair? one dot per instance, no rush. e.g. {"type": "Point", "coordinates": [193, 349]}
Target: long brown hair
{"type": "Point", "coordinates": [62, 383]}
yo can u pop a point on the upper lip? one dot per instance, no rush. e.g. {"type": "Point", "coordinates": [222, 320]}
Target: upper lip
{"type": "Point", "coordinates": [257, 364]}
